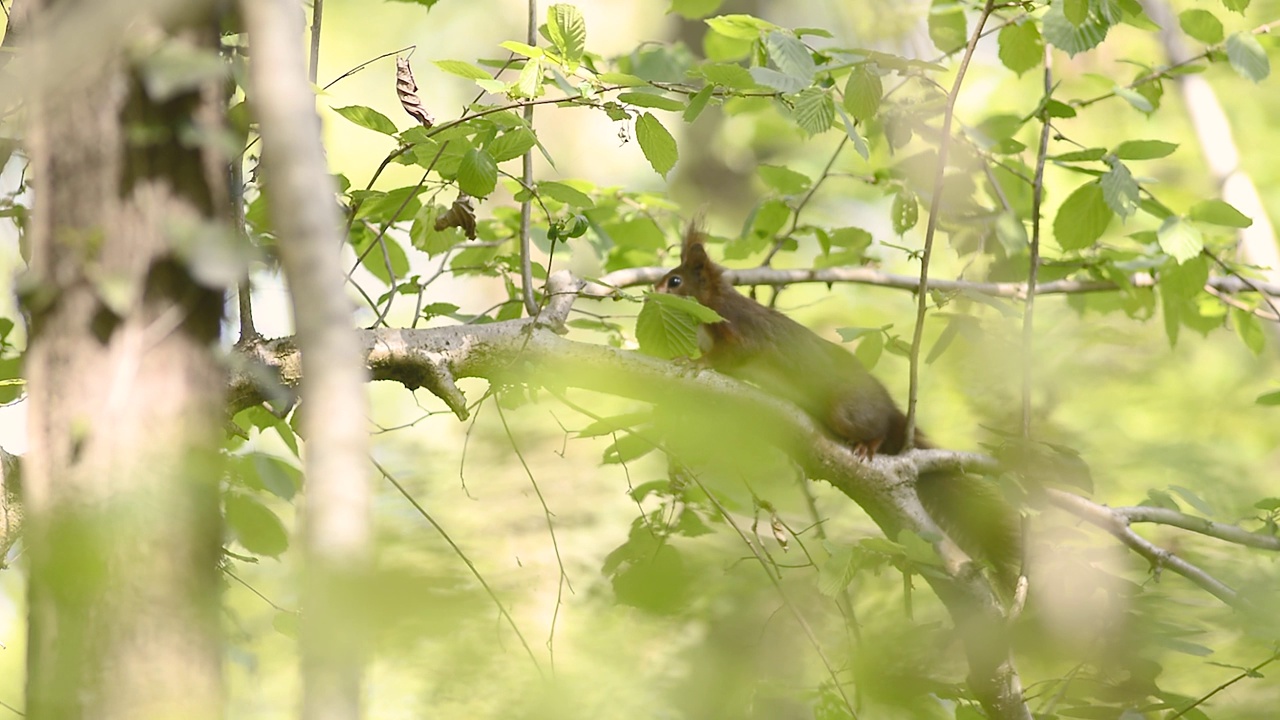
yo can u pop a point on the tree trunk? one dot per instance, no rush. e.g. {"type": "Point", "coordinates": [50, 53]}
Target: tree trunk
{"type": "Point", "coordinates": [121, 478]}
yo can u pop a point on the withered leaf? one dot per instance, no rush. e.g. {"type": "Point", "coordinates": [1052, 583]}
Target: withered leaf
{"type": "Point", "coordinates": [407, 91]}
{"type": "Point", "coordinates": [460, 215]}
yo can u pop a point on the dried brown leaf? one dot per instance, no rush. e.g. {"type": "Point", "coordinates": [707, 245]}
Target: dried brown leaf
{"type": "Point", "coordinates": [407, 91]}
{"type": "Point", "coordinates": [460, 215]}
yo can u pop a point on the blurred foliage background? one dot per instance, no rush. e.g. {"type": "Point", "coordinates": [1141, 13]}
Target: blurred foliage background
{"type": "Point", "coordinates": [623, 625]}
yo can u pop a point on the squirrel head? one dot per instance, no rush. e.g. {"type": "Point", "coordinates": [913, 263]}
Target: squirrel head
{"type": "Point", "coordinates": [697, 276]}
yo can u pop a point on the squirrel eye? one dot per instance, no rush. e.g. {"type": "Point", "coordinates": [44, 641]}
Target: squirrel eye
{"type": "Point", "coordinates": [674, 281]}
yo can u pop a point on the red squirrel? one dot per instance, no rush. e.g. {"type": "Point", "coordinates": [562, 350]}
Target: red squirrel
{"type": "Point", "coordinates": [784, 358]}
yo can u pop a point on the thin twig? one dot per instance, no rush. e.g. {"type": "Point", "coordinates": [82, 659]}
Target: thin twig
{"type": "Point", "coordinates": [935, 205]}
{"type": "Point", "coordinates": [1033, 274]}
{"type": "Point", "coordinates": [317, 15]}
{"type": "Point", "coordinates": [1251, 672]}
{"type": "Point", "coordinates": [551, 528]}
{"type": "Point", "coordinates": [795, 216]}
{"type": "Point", "coordinates": [1222, 531]}
{"type": "Point", "coordinates": [502, 610]}
{"type": "Point", "coordinates": [526, 175]}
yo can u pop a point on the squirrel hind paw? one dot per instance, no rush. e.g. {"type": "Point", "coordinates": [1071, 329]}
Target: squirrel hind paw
{"type": "Point", "coordinates": [866, 450]}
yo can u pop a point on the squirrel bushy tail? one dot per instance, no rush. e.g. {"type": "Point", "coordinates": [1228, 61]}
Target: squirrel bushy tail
{"type": "Point", "coordinates": [976, 515]}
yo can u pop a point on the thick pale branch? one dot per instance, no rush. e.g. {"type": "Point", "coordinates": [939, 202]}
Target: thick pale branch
{"type": "Point", "coordinates": [609, 285]}
{"type": "Point", "coordinates": [1117, 524]}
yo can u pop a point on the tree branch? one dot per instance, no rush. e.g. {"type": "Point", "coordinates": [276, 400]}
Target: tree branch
{"type": "Point", "coordinates": [1222, 531]}
{"type": "Point", "coordinates": [1117, 524]}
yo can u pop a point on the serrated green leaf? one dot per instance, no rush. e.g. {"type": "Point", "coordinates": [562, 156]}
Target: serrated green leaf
{"type": "Point", "coordinates": [1083, 218]}
{"type": "Point", "coordinates": [1070, 37]}
{"type": "Point", "coordinates": [695, 9]}
{"type": "Point", "coordinates": [656, 143]}
{"type": "Point", "coordinates": [781, 82]}
{"type": "Point", "coordinates": [511, 144]}
{"type": "Point", "coordinates": [905, 212]}
{"type": "Point", "coordinates": [463, 69]}
{"type": "Point", "coordinates": [520, 48]}
{"type": "Point", "coordinates": [1219, 212]}
{"type": "Point", "coordinates": [1247, 57]}
{"type": "Point", "coordinates": [814, 111]}
{"type": "Point", "coordinates": [1180, 239]}
{"type": "Point", "coordinates": [1086, 155]}
{"type": "Point", "coordinates": [784, 180]}
{"type": "Point", "coordinates": [1140, 102]}
{"type": "Point", "coordinates": [947, 26]}
{"type": "Point", "coordinates": [529, 82]}
{"type": "Point", "coordinates": [568, 32]}
{"type": "Point", "coordinates": [862, 92]}
{"type": "Point", "coordinates": [255, 526]}
{"type": "Point", "coordinates": [1201, 25]}
{"type": "Point", "coordinates": [667, 326]}
{"type": "Point", "coordinates": [652, 100]}
{"type": "Point", "coordinates": [728, 75]}
{"type": "Point", "coordinates": [1144, 149]}
{"type": "Point", "coordinates": [367, 117]}
{"type": "Point", "coordinates": [1021, 46]}
{"type": "Point", "coordinates": [790, 56]}
{"type": "Point", "coordinates": [698, 103]}
{"type": "Point", "coordinates": [1249, 330]}
{"type": "Point", "coordinates": [1236, 5]}
{"type": "Point", "coordinates": [1119, 189]}
{"type": "Point", "coordinates": [477, 173]}
{"type": "Point", "coordinates": [740, 27]}
{"type": "Point", "coordinates": [1077, 11]}
{"type": "Point", "coordinates": [565, 193]}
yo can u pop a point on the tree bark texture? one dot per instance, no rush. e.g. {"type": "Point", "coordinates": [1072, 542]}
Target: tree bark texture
{"type": "Point", "coordinates": [121, 477]}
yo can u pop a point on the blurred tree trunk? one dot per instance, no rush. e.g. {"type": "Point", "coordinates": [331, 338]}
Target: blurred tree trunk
{"type": "Point", "coordinates": [121, 477]}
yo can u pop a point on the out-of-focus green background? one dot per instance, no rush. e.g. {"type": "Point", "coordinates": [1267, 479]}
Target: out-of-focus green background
{"type": "Point", "coordinates": [1141, 414]}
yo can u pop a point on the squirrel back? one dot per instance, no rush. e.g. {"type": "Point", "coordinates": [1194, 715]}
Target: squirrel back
{"type": "Point", "coordinates": [784, 358]}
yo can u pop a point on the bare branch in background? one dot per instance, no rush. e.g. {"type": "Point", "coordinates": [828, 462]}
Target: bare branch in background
{"type": "Point", "coordinates": [336, 517]}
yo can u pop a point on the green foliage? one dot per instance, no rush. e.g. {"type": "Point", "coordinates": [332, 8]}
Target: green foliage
{"type": "Point", "coordinates": [667, 325]}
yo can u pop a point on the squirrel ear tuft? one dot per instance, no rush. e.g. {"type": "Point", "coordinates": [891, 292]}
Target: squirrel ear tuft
{"type": "Point", "coordinates": [694, 240]}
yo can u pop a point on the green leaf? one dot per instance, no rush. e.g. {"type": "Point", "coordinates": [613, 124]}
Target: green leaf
{"type": "Point", "coordinates": [1201, 25]}
{"type": "Point", "coordinates": [511, 144]}
{"type": "Point", "coordinates": [477, 173]}
{"type": "Point", "coordinates": [253, 524]}
{"type": "Point", "coordinates": [947, 27]}
{"type": "Point", "coordinates": [698, 103]}
{"type": "Point", "coordinates": [695, 9]}
{"type": "Point", "coordinates": [905, 212]}
{"type": "Point", "coordinates": [870, 349]}
{"type": "Point", "coordinates": [781, 82]}
{"type": "Point", "coordinates": [529, 82]}
{"type": "Point", "coordinates": [1183, 281]}
{"type": "Point", "coordinates": [1144, 149]}
{"type": "Point", "coordinates": [1180, 239]}
{"type": "Point", "coordinates": [657, 144]}
{"type": "Point", "coordinates": [568, 32]}
{"type": "Point", "coordinates": [1086, 155]}
{"type": "Point", "coordinates": [653, 100]}
{"type": "Point", "coordinates": [728, 75]}
{"type": "Point", "coordinates": [1021, 46]}
{"type": "Point", "coordinates": [565, 193]}
{"type": "Point", "coordinates": [520, 48]}
{"type": "Point", "coordinates": [1250, 330]}
{"type": "Point", "coordinates": [814, 111]}
{"type": "Point", "coordinates": [1074, 38]}
{"type": "Point", "coordinates": [862, 92]}
{"type": "Point", "coordinates": [784, 180]}
{"type": "Point", "coordinates": [367, 117]}
{"type": "Point", "coordinates": [1218, 212]}
{"type": "Point", "coordinates": [790, 56]}
{"type": "Point", "coordinates": [638, 233]}
{"type": "Point", "coordinates": [1236, 5]}
{"type": "Point", "coordinates": [1140, 102]}
{"type": "Point", "coordinates": [1119, 189]}
{"type": "Point", "coordinates": [1270, 399]}
{"type": "Point", "coordinates": [463, 69]}
{"type": "Point", "coordinates": [740, 27]}
{"type": "Point", "coordinates": [1083, 218]}
{"type": "Point", "coordinates": [1077, 11]}
{"type": "Point", "coordinates": [1247, 57]}
{"type": "Point", "coordinates": [667, 325]}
